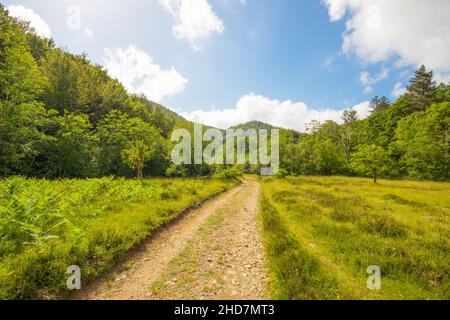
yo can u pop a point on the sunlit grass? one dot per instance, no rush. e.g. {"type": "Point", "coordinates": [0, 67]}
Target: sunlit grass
{"type": "Point", "coordinates": [347, 224]}
{"type": "Point", "coordinates": [46, 226]}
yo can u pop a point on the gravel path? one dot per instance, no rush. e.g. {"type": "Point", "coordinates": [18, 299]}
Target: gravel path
{"type": "Point", "coordinates": [213, 252]}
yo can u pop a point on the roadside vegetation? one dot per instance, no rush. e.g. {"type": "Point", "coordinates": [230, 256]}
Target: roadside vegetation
{"type": "Point", "coordinates": [321, 234]}
{"type": "Point", "coordinates": [46, 226]}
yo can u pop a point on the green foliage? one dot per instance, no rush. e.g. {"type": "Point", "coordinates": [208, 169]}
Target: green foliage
{"type": "Point", "coordinates": [422, 143]}
{"type": "Point", "coordinates": [231, 173]}
{"type": "Point", "coordinates": [415, 138]}
{"type": "Point", "coordinates": [177, 171]}
{"type": "Point", "coordinates": [20, 135]}
{"type": "Point", "coordinates": [46, 226]}
{"type": "Point", "coordinates": [378, 104]}
{"type": "Point", "coordinates": [72, 150]}
{"type": "Point", "coordinates": [421, 89]}
{"type": "Point", "coordinates": [282, 173]}
{"type": "Point", "coordinates": [62, 116]}
{"type": "Point", "coordinates": [20, 79]}
{"type": "Point", "coordinates": [370, 161]}
{"type": "Point", "coordinates": [136, 155]}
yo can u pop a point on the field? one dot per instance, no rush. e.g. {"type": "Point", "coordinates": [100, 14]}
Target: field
{"type": "Point", "coordinates": [46, 226]}
{"type": "Point", "coordinates": [321, 234]}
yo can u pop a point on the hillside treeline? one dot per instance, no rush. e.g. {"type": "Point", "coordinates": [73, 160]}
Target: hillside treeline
{"type": "Point", "coordinates": [62, 116]}
{"type": "Point", "coordinates": [405, 139]}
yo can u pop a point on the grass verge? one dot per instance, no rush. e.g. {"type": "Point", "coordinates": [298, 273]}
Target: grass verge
{"type": "Point", "coordinates": [47, 226]}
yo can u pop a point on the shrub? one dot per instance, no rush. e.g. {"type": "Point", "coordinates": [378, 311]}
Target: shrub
{"type": "Point", "coordinates": [282, 173]}
{"type": "Point", "coordinates": [232, 173]}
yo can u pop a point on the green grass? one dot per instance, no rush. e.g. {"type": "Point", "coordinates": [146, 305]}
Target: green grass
{"type": "Point", "coordinates": [321, 234]}
{"type": "Point", "coordinates": [46, 226]}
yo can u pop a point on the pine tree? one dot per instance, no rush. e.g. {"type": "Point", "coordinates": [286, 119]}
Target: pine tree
{"type": "Point", "coordinates": [379, 104]}
{"type": "Point", "coordinates": [421, 90]}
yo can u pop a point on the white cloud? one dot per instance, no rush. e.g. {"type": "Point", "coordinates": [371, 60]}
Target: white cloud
{"type": "Point", "coordinates": [89, 33]}
{"type": "Point", "coordinates": [36, 22]}
{"type": "Point", "coordinates": [398, 90]}
{"type": "Point", "coordinates": [367, 80]}
{"type": "Point", "coordinates": [194, 20]}
{"type": "Point", "coordinates": [413, 32]}
{"type": "Point", "coordinates": [136, 70]}
{"type": "Point", "coordinates": [286, 114]}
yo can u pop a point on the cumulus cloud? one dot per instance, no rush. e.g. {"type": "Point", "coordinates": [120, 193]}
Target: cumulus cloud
{"type": "Point", "coordinates": [195, 20]}
{"type": "Point", "coordinates": [136, 70]}
{"type": "Point", "coordinates": [286, 114]}
{"type": "Point", "coordinates": [398, 90]}
{"type": "Point", "coordinates": [36, 22]}
{"type": "Point", "coordinates": [412, 33]}
{"type": "Point", "coordinates": [367, 80]}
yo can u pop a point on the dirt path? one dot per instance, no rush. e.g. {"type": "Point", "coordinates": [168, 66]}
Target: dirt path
{"type": "Point", "coordinates": [214, 252]}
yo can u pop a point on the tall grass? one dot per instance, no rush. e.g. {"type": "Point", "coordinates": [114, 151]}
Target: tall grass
{"type": "Point", "coordinates": [46, 226]}
{"type": "Point", "coordinates": [347, 224]}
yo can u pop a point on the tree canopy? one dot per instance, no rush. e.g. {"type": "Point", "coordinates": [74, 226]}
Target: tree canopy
{"type": "Point", "coordinates": [63, 116]}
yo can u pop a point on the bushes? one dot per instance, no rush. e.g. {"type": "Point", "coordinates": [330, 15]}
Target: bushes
{"type": "Point", "coordinates": [282, 173]}
{"type": "Point", "coordinates": [232, 173]}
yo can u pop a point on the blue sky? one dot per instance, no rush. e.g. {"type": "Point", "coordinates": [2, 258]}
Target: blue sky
{"type": "Point", "coordinates": [228, 61]}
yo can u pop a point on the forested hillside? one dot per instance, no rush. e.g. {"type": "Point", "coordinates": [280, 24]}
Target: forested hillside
{"type": "Point", "coordinates": [62, 116]}
{"type": "Point", "coordinates": [405, 139]}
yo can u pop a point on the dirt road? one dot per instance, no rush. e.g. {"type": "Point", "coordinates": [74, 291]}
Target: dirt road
{"type": "Point", "coordinates": [214, 252]}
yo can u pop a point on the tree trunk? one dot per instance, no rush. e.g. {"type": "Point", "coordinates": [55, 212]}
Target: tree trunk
{"type": "Point", "coordinates": [140, 175]}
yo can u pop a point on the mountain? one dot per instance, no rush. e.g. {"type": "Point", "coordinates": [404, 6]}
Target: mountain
{"type": "Point", "coordinates": [256, 125]}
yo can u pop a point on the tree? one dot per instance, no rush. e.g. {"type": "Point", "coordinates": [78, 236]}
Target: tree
{"type": "Point", "coordinates": [442, 93]}
{"type": "Point", "coordinates": [39, 46]}
{"type": "Point", "coordinates": [21, 85]}
{"type": "Point", "coordinates": [20, 135]}
{"type": "Point", "coordinates": [62, 91]}
{"type": "Point", "coordinates": [370, 160]}
{"type": "Point", "coordinates": [161, 121]}
{"type": "Point", "coordinates": [423, 142]}
{"type": "Point", "coordinates": [20, 80]}
{"type": "Point", "coordinates": [136, 155]}
{"type": "Point", "coordinates": [116, 131]}
{"type": "Point", "coordinates": [349, 117]}
{"type": "Point", "coordinates": [379, 104]}
{"type": "Point", "coordinates": [72, 151]}
{"type": "Point", "coordinates": [327, 156]}
{"type": "Point", "coordinates": [421, 89]}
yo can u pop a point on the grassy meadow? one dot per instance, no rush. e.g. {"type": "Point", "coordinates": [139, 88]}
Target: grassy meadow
{"type": "Point", "coordinates": [321, 234]}
{"type": "Point", "coordinates": [48, 225]}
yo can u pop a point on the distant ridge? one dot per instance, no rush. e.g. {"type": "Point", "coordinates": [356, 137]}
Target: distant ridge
{"type": "Point", "coordinates": [257, 125]}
